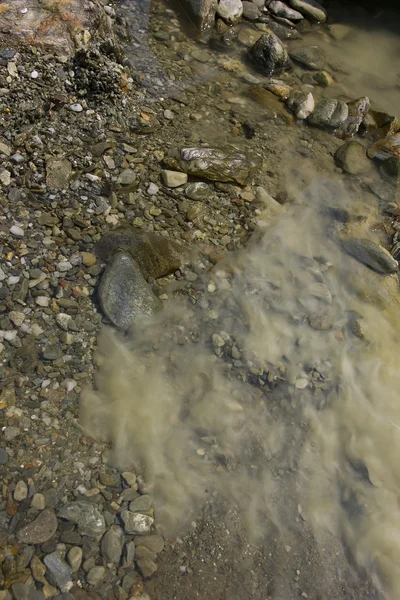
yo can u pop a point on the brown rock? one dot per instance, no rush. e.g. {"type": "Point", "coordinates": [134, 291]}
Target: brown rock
{"type": "Point", "coordinates": [156, 256]}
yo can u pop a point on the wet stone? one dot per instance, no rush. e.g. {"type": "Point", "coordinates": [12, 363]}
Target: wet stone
{"type": "Point", "coordinates": [86, 516]}
{"type": "Point", "coordinates": [111, 545]}
{"type": "Point", "coordinates": [38, 569]}
{"type": "Point", "coordinates": [58, 572]}
{"type": "Point", "coordinates": [38, 501]}
{"type": "Point", "coordinates": [371, 254]}
{"type": "Point", "coordinates": [198, 191]}
{"type": "Point", "coordinates": [329, 112]}
{"type": "Point", "coordinates": [301, 103]}
{"type": "Point", "coordinates": [230, 10]}
{"type": "Point", "coordinates": [173, 179]}
{"type": "Point", "coordinates": [270, 54]}
{"type": "Point", "coordinates": [310, 9]}
{"type": "Point", "coordinates": [280, 9]}
{"type": "Point", "coordinates": [124, 294]}
{"type": "Point", "coordinates": [311, 57]}
{"type": "Point", "coordinates": [352, 158]}
{"type": "Point", "coordinates": [40, 530]}
{"type": "Point", "coordinates": [58, 173]}
{"type": "Point", "coordinates": [52, 352]}
{"type": "Point", "coordinates": [251, 11]}
{"type": "Point", "coordinates": [140, 504]}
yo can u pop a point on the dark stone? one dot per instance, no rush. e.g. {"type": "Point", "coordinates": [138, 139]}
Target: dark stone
{"type": "Point", "coordinates": [352, 158]}
{"type": "Point", "coordinates": [3, 457]}
{"type": "Point", "coordinates": [58, 572]}
{"type": "Point", "coordinates": [371, 254]}
{"type": "Point", "coordinates": [125, 296]}
{"type": "Point", "coordinates": [156, 255]}
{"type": "Point", "coordinates": [111, 544]}
{"type": "Point", "coordinates": [40, 530]}
{"type": "Point", "coordinates": [270, 54]}
{"type": "Point", "coordinates": [329, 112]}
{"type": "Point", "coordinates": [89, 520]}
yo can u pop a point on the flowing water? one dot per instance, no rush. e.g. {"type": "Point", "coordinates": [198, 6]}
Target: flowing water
{"type": "Point", "coordinates": [275, 390]}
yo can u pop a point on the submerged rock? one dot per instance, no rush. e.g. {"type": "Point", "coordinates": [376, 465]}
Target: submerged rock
{"type": "Point", "coordinates": [310, 9]}
{"type": "Point", "coordinates": [203, 12]}
{"type": "Point", "coordinates": [213, 164]}
{"type": "Point", "coordinates": [371, 254]}
{"type": "Point", "coordinates": [157, 256]}
{"type": "Point", "coordinates": [390, 169]}
{"type": "Point", "coordinates": [124, 294]}
{"type": "Point", "coordinates": [352, 158]}
{"type": "Point", "coordinates": [329, 112]}
{"type": "Point", "coordinates": [301, 103]}
{"type": "Point", "coordinates": [270, 54]}
{"type": "Point", "coordinates": [230, 10]}
{"type": "Point", "coordinates": [311, 57]}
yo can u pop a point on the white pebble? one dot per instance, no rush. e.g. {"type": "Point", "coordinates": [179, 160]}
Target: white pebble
{"type": "Point", "coordinates": [17, 231]}
{"type": "Point", "coordinates": [301, 384]}
{"type": "Point", "coordinates": [13, 279]}
{"type": "Point", "coordinates": [153, 189]}
{"type": "Point", "coordinates": [2, 275]}
{"type": "Point", "coordinates": [24, 11]}
{"type": "Point", "coordinates": [10, 336]}
{"type": "Point", "coordinates": [17, 318]}
{"type": "Point", "coordinates": [76, 108]}
{"type": "Point", "coordinates": [34, 75]}
{"type": "Point", "coordinates": [43, 301]}
{"type": "Point", "coordinates": [64, 265]}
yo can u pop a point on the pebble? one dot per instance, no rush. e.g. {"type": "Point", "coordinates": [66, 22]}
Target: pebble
{"type": "Point", "coordinates": [127, 177]}
{"type": "Point", "coordinates": [88, 259]}
{"type": "Point", "coordinates": [217, 340]}
{"type": "Point", "coordinates": [86, 516]}
{"type": "Point", "coordinates": [147, 567]}
{"type": "Point", "coordinates": [128, 554]}
{"type": "Point", "coordinates": [142, 503]}
{"type": "Point", "coordinates": [64, 266]}
{"type": "Point", "coordinates": [77, 108]}
{"type": "Point", "coordinates": [3, 457]}
{"type": "Point", "coordinates": [329, 112]}
{"type": "Point", "coordinates": [21, 491]}
{"type": "Point", "coordinates": [43, 301]}
{"type": "Point", "coordinates": [38, 501]}
{"type": "Point", "coordinates": [301, 103]}
{"type": "Point", "coordinates": [153, 189]}
{"type": "Point", "coordinates": [63, 320]}
{"type": "Point", "coordinates": [230, 10]}
{"type": "Point", "coordinates": [5, 177]}
{"type": "Point", "coordinates": [251, 11]}
{"type": "Point", "coordinates": [58, 572]}
{"type": "Point", "coordinates": [352, 158]}
{"type": "Point", "coordinates": [136, 523]}
{"type": "Point", "coordinates": [17, 231]}
{"type": "Point", "coordinates": [310, 9]}
{"type": "Point", "coordinates": [17, 318]}
{"type": "Point", "coordinates": [301, 384]}
{"type": "Point", "coordinates": [173, 179]}
{"type": "Point", "coordinates": [38, 569]}
{"type": "Point", "coordinates": [40, 530]}
{"type": "Point", "coordinates": [283, 10]}
{"type": "Point", "coordinates": [111, 544]}
{"type": "Point", "coordinates": [95, 575]}
{"type": "Point", "coordinates": [270, 54]}
{"type": "Point", "coordinates": [34, 75]}
{"type": "Point", "coordinates": [74, 558]}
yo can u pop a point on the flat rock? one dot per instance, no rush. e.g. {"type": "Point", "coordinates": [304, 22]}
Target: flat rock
{"type": "Point", "coordinates": [329, 112]}
{"type": "Point", "coordinates": [230, 10]}
{"type": "Point", "coordinates": [140, 504]}
{"type": "Point", "coordinates": [310, 9]}
{"type": "Point", "coordinates": [311, 57]}
{"type": "Point", "coordinates": [58, 572]}
{"type": "Point", "coordinates": [147, 567]}
{"type": "Point", "coordinates": [40, 530]}
{"type": "Point", "coordinates": [251, 11]}
{"type": "Point", "coordinates": [270, 54]}
{"type": "Point", "coordinates": [371, 254]}
{"type": "Point", "coordinates": [124, 294]}
{"type": "Point", "coordinates": [157, 256]}
{"type": "Point", "coordinates": [21, 491]}
{"type": "Point", "coordinates": [352, 158]}
{"type": "Point", "coordinates": [214, 164]}
{"type": "Point", "coordinates": [58, 173]}
{"type": "Point", "coordinates": [86, 516]}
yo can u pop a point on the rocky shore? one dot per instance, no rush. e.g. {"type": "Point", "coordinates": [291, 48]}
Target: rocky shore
{"type": "Point", "coordinates": [114, 197]}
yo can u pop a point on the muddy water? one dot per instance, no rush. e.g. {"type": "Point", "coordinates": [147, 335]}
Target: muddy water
{"type": "Point", "coordinates": [279, 390]}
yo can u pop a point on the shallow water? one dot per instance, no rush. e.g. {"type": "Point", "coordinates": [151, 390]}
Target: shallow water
{"type": "Point", "coordinates": [318, 418]}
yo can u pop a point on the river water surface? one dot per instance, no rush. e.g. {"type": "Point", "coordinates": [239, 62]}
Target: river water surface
{"type": "Point", "coordinates": [278, 391]}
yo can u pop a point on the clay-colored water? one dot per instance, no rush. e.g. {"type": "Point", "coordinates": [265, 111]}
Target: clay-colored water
{"type": "Point", "coordinates": [323, 401]}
